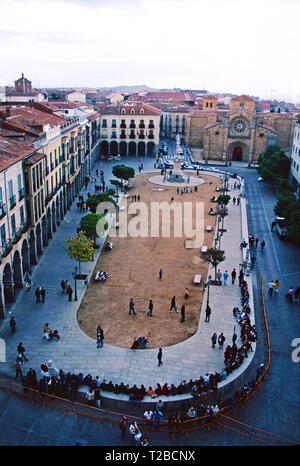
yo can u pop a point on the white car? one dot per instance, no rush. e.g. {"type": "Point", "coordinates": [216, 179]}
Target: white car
{"type": "Point", "coordinates": [260, 179]}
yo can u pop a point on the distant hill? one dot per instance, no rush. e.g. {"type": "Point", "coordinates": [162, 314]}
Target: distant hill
{"type": "Point", "coordinates": [130, 89]}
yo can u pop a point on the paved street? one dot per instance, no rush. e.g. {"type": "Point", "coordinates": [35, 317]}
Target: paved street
{"type": "Point", "coordinates": [274, 409]}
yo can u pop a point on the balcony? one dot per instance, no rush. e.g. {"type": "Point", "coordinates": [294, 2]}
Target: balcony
{"type": "Point", "coordinates": [132, 125]}
{"type": "Point", "coordinates": [47, 170]}
{"type": "Point", "coordinates": [131, 136]}
{"type": "Point", "coordinates": [122, 136]}
{"type": "Point", "coordinates": [151, 125]}
{"type": "Point", "coordinates": [12, 202]}
{"type": "Point", "coordinates": [21, 194]}
{"type": "Point", "coordinates": [150, 136]}
{"type": "Point", "coordinates": [123, 125]}
{"type": "Point", "coordinates": [2, 211]}
{"type": "Point", "coordinates": [52, 166]}
{"type": "Point", "coordinates": [48, 198]}
{"type": "Point", "coordinates": [141, 125]}
{"type": "Point", "coordinates": [25, 226]}
{"type": "Point", "coordinates": [6, 248]}
{"type": "Point", "coordinates": [17, 235]}
{"type": "Point", "coordinates": [141, 136]}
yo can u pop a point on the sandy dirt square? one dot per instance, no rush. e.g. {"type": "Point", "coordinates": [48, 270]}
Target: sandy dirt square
{"type": "Point", "coordinates": [133, 266]}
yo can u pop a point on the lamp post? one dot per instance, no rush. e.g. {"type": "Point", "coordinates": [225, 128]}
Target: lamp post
{"type": "Point", "coordinates": [207, 286]}
{"type": "Point", "coordinates": [75, 278]}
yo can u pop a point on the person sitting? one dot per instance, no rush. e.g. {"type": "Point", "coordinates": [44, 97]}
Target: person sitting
{"type": "Point", "coordinates": [165, 389]}
{"type": "Point", "coordinates": [158, 390]}
{"type": "Point", "coordinates": [191, 412]}
{"type": "Point", "coordinates": [211, 211]}
{"type": "Point", "coordinates": [135, 343]}
{"type": "Point", "coordinates": [143, 341]}
{"type": "Point", "coordinates": [108, 246]}
{"type": "Point", "coordinates": [243, 244]}
{"type": "Point", "coordinates": [289, 294]}
{"type": "Point", "coordinates": [101, 276]}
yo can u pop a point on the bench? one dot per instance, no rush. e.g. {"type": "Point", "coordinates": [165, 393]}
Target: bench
{"type": "Point", "coordinates": [122, 208]}
{"type": "Point", "coordinates": [209, 228]}
{"type": "Point", "coordinates": [117, 224]}
{"type": "Point", "coordinates": [204, 249]}
{"type": "Point", "coordinates": [197, 279]}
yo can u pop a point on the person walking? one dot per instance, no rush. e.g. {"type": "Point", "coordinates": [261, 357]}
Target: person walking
{"type": "Point", "coordinates": [238, 201]}
{"type": "Point", "coordinates": [18, 369]}
{"type": "Point", "coordinates": [173, 304]}
{"type": "Point", "coordinates": [159, 357]}
{"type": "Point", "coordinates": [131, 307]}
{"type": "Point", "coordinates": [214, 340]}
{"type": "Point", "coordinates": [271, 286]}
{"type": "Point", "coordinates": [43, 294]}
{"type": "Point", "coordinates": [37, 295]}
{"type": "Point", "coordinates": [21, 351]}
{"type": "Point", "coordinates": [63, 286]}
{"type": "Point", "coordinates": [225, 276]}
{"type": "Point", "coordinates": [150, 307]}
{"type": "Point", "coordinates": [221, 340]}
{"type": "Point", "coordinates": [219, 276]}
{"type": "Point", "coordinates": [12, 324]}
{"type": "Point", "coordinates": [276, 285]}
{"type": "Point", "coordinates": [207, 313]}
{"type": "Point", "coordinates": [46, 331]}
{"type": "Point", "coordinates": [186, 293]}
{"type": "Point", "coordinates": [262, 245]}
{"type": "Point", "coordinates": [233, 276]}
{"type": "Point", "coordinates": [123, 425]}
{"type": "Point", "coordinates": [182, 311]}
{"type": "Point", "coordinates": [160, 274]}
{"type": "Point", "coordinates": [241, 277]}
{"type": "Point", "coordinates": [69, 292]}
{"type": "Point", "coordinates": [100, 337]}
{"type": "Point", "coordinates": [256, 241]}
{"type": "Point", "coordinates": [233, 200]}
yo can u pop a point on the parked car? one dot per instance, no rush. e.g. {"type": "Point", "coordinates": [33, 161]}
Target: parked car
{"type": "Point", "coordinates": [233, 175]}
{"type": "Point", "coordinates": [281, 228]}
{"type": "Point", "coordinates": [260, 179]}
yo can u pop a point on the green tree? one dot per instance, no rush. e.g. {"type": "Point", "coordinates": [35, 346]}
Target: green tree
{"type": "Point", "coordinates": [294, 226]}
{"type": "Point", "coordinates": [273, 165]}
{"type": "Point", "coordinates": [223, 199]}
{"type": "Point", "coordinates": [88, 224]}
{"type": "Point", "coordinates": [80, 248]}
{"type": "Point", "coordinates": [123, 172]}
{"type": "Point", "coordinates": [93, 201]}
{"type": "Point", "coordinates": [214, 257]}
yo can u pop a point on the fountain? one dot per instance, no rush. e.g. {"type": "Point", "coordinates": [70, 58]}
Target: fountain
{"type": "Point", "coordinates": [176, 173]}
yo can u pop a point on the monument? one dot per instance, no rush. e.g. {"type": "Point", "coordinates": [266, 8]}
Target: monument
{"type": "Point", "coordinates": [176, 173]}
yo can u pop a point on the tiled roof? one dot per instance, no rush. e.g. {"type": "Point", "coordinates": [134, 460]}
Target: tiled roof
{"type": "Point", "coordinates": [269, 128]}
{"type": "Point", "coordinates": [31, 116]}
{"type": "Point", "coordinates": [127, 107]}
{"type": "Point", "coordinates": [211, 125]}
{"type": "Point", "coordinates": [12, 151]}
{"type": "Point", "coordinates": [243, 97]}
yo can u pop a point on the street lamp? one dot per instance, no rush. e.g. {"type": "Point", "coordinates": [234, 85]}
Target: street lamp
{"type": "Point", "coordinates": [207, 286]}
{"type": "Point", "coordinates": [75, 277]}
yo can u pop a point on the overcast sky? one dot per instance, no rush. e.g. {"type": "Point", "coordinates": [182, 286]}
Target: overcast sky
{"type": "Point", "coordinates": [236, 46]}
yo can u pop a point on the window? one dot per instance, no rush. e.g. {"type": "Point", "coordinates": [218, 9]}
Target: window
{"type": "Point", "coordinates": [114, 123]}
{"type": "Point", "coordinates": [10, 189]}
{"type": "Point", "coordinates": [13, 225]}
{"type": "Point", "coordinates": [22, 217]}
{"type": "Point", "coordinates": [104, 123]}
{"type": "Point", "coordinates": [142, 110]}
{"type": "Point", "coordinates": [3, 236]}
{"type": "Point", "coordinates": [132, 111]}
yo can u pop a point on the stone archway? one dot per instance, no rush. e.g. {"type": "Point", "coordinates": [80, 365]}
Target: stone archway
{"type": "Point", "coordinates": [132, 148]}
{"type": "Point", "coordinates": [104, 148]}
{"type": "Point", "coordinates": [237, 154]}
{"type": "Point", "coordinates": [113, 148]}
{"type": "Point", "coordinates": [17, 271]}
{"type": "Point", "coordinates": [44, 231]}
{"type": "Point", "coordinates": [32, 250]}
{"type": "Point", "coordinates": [123, 148]}
{"type": "Point", "coordinates": [141, 149]}
{"type": "Point", "coordinates": [9, 295]}
{"type": "Point", "coordinates": [49, 224]}
{"type": "Point", "coordinates": [150, 148]}
{"type": "Point", "coordinates": [25, 257]}
{"type": "Point", "coordinates": [53, 218]}
{"type": "Point", "coordinates": [39, 247]}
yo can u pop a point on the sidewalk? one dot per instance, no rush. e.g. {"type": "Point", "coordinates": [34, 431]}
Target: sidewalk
{"type": "Point", "coordinates": [77, 352]}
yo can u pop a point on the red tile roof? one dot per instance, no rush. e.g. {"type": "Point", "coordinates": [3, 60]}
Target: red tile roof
{"type": "Point", "coordinates": [243, 97]}
{"type": "Point", "coordinates": [127, 107]}
{"type": "Point", "coordinates": [12, 151]}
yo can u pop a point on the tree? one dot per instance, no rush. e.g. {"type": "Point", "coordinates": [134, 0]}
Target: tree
{"type": "Point", "coordinates": [80, 248]}
{"type": "Point", "coordinates": [214, 257]}
{"type": "Point", "coordinates": [93, 201]}
{"type": "Point", "coordinates": [274, 165]}
{"type": "Point", "coordinates": [223, 200]}
{"type": "Point", "coordinates": [88, 224]}
{"type": "Point", "coordinates": [294, 226]}
{"type": "Point", "coordinates": [123, 173]}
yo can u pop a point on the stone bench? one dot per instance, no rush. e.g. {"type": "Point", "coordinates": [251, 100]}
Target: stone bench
{"type": "Point", "coordinates": [204, 249]}
{"type": "Point", "coordinates": [209, 228]}
{"type": "Point", "coordinates": [189, 244]}
{"type": "Point", "coordinates": [197, 279]}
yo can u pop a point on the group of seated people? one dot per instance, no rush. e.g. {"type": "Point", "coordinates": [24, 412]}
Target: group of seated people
{"type": "Point", "coordinates": [140, 342]}
{"type": "Point", "coordinates": [101, 276]}
{"type": "Point", "coordinates": [212, 211]}
{"type": "Point", "coordinates": [244, 293]}
{"type": "Point", "coordinates": [213, 199]}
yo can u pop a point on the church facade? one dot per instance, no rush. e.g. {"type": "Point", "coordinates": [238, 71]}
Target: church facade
{"type": "Point", "coordinates": [239, 133]}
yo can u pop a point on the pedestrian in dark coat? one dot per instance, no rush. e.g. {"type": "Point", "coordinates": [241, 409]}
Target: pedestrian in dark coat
{"type": "Point", "coordinates": [173, 304]}
{"type": "Point", "coordinates": [233, 276]}
{"type": "Point", "coordinates": [159, 357]}
{"type": "Point", "coordinates": [182, 311]}
{"type": "Point", "coordinates": [12, 324]}
{"type": "Point", "coordinates": [18, 370]}
{"type": "Point", "coordinates": [149, 313]}
{"type": "Point", "coordinates": [21, 351]}
{"type": "Point", "coordinates": [43, 294]}
{"type": "Point", "coordinates": [63, 286]}
{"type": "Point", "coordinates": [221, 340]}
{"type": "Point", "coordinates": [160, 274]}
{"type": "Point", "coordinates": [37, 295]}
{"type": "Point", "coordinates": [69, 292]}
{"type": "Point", "coordinates": [131, 307]}
{"type": "Point", "coordinates": [207, 313]}
{"type": "Point", "coordinates": [214, 340]}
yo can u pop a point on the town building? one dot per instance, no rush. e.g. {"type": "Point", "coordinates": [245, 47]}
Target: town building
{"type": "Point", "coordinates": [295, 159]}
{"type": "Point", "coordinates": [131, 128]}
